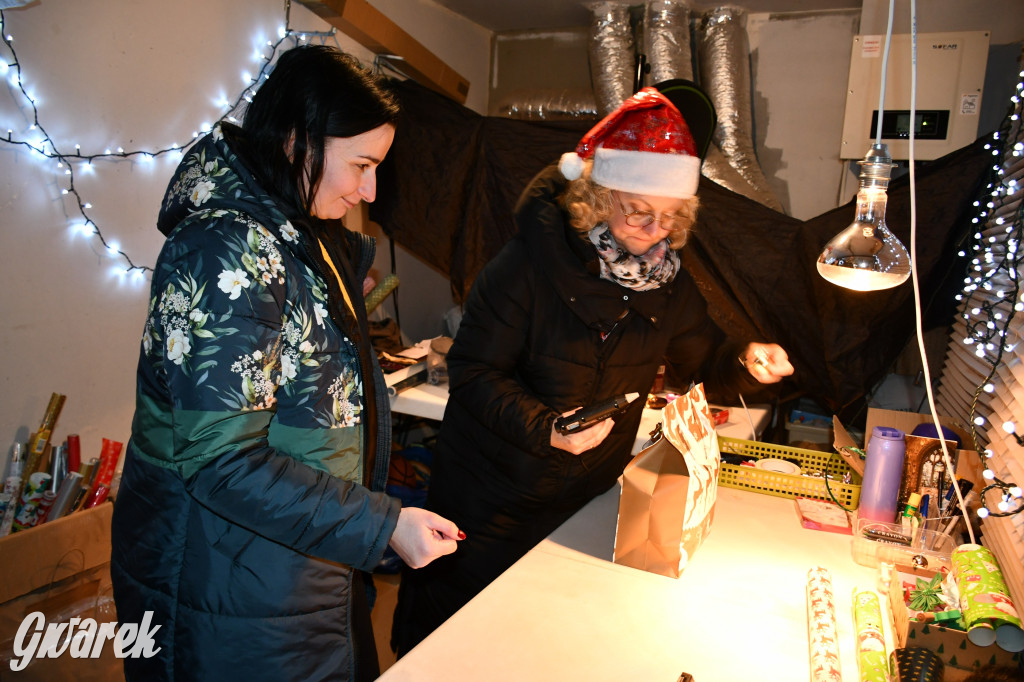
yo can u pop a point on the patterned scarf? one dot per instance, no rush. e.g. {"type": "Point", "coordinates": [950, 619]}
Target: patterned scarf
{"type": "Point", "coordinates": [640, 273]}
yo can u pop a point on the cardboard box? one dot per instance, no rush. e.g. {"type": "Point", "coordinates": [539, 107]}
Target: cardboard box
{"type": "Point", "coordinates": [56, 550]}
{"type": "Point", "coordinates": [968, 465]}
{"type": "Point", "coordinates": [952, 646]}
{"type": "Point", "coordinates": [62, 569]}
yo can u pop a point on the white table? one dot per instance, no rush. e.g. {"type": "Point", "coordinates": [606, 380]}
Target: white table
{"type": "Point", "coordinates": [737, 426]}
{"type": "Point", "coordinates": [424, 400]}
{"type": "Point", "coordinates": [565, 612]}
{"type": "Point", "coordinates": [428, 401]}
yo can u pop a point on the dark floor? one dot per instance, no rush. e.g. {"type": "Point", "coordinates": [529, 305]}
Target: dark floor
{"type": "Point", "coordinates": [383, 610]}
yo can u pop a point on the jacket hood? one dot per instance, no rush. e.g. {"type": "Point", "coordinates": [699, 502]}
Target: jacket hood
{"type": "Point", "coordinates": [211, 177]}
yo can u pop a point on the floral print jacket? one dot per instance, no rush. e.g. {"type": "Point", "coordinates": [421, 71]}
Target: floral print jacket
{"type": "Point", "coordinates": [260, 435]}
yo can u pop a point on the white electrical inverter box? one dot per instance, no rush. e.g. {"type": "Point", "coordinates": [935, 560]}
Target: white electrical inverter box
{"type": "Point", "coordinates": [950, 79]}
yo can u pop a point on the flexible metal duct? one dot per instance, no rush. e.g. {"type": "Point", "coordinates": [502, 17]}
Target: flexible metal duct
{"type": "Point", "coordinates": [667, 40]}
{"type": "Point", "coordinates": [548, 105]}
{"type": "Point", "coordinates": [612, 56]}
{"type": "Point", "coordinates": [723, 55]}
{"type": "Point", "coordinates": [716, 168]}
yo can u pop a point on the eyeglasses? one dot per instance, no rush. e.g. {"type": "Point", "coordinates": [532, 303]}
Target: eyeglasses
{"type": "Point", "coordinates": [668, 221]}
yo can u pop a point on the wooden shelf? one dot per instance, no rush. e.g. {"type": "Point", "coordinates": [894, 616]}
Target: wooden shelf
{"type": "Point", "coordinates": [375, 31]}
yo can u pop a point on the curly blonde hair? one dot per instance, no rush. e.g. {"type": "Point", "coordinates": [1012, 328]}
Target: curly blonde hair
{"type": "Point", "coordinates": [589, 204]}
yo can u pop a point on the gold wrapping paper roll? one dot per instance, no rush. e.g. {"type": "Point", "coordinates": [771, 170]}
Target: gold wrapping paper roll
{"type": "Point", "coordinates": [380, 292]}
{"type": "Point", "coordinates": [821, 627]}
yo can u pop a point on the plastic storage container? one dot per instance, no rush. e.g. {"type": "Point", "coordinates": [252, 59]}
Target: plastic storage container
{"type": "Point", "coordinates": [779, 484]}
{"type": "Point", "coordinates": [810, 427]}
{"type": "Point", "coordinates": [928, 549]}
{"type": "Point", "coordinates": [883, 473]}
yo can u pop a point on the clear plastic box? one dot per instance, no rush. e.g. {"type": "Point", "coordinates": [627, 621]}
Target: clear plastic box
{"type": "Point", "coordinates": [928, 549]}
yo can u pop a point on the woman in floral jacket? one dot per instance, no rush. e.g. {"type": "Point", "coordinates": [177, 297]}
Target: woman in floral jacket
{"type": "Point", "coordinates": [250, 500]}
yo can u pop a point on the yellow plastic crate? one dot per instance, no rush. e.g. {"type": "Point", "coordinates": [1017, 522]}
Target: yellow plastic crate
{"type": "Point", "coordinates": [789, 485]}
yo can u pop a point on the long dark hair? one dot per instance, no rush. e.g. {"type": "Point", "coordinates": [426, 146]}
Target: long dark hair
{"type": "Point", "coordinates": [314, 92]}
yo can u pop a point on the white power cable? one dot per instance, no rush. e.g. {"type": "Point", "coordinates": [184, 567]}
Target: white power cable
{"type": "Point", "coordinates": [750, 420]}
{"type": "Point", "coordinates": [913, 260]}
{"type": "Point", "coordinates": [885, 64]}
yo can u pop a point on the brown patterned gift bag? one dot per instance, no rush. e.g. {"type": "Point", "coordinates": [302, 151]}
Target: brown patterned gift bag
{"type": "Point", "coordinates": [669, 490]}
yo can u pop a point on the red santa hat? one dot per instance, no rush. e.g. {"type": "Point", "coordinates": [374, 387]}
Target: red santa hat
{"type": "Point", "coordinates": [643, 147]}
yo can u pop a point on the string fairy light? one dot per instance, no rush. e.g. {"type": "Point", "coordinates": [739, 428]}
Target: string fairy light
{"type": "Point", "coordinates": [40, 144]}
{"type": "Point", "coordinates": [991, 296]}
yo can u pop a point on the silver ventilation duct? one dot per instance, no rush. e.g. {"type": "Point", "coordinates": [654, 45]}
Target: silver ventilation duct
{"type": "Point", "coordinates": [612, 54]}
{"type": "Point", "coordinates": [548, 105]}
{"type": "Point", "coordinates": [717, 169]}
{"type": "Point", "coordinates": [667, 40]}
{"type": "Point", "coordinates": [723, 55]}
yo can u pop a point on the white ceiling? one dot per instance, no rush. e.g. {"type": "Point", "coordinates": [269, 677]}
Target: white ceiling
{"type": "Point", "coordinates": [514, 15]}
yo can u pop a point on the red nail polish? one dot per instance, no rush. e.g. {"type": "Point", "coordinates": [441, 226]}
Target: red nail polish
{"type": "Point", "coordinates": [461, 536]}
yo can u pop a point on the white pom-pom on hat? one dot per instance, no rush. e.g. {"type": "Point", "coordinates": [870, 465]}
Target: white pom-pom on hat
{"type": "Point", "coordinates": [571, 166]}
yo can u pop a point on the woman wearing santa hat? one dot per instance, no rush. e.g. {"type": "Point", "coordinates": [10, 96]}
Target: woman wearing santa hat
{"type": "Point", "coordinates": [582, 305]}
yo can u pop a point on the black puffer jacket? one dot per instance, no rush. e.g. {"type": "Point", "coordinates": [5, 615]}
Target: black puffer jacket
{"type": "Point", "coordinates": [542, 334]}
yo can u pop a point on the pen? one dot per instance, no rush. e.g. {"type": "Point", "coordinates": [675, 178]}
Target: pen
{"type": "Point", "coordinates": [586, 417]}
{"type": "Point", "coordinates": [950, 500]}
{"type": "Point", "coordinates": [956, 511]}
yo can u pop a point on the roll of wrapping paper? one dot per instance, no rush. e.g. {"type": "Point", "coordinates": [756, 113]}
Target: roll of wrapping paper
{"type": "Point", "coordinates": [6, 500]}
{"type": "Point", "coordinates": [74, 452]}
{"type": "Point", "coordinates": [12, 488]}
{"type": "Point", "coordinates": [109, 456]}
{"type": "Point", "coordinates": [66, 494]}
{"type": "Point", "coordinates": [821, 627]}
{"type": "Point", "coordinates": [42, 437]}
{"type": "Point", "coordinates": [45, 505]}
{"type": "Point", "coordinates": [872, 660]}
{"type": "Point", "coordinates": [28, 507]}
{"type": "Point", "coordinates": [985, 602]}
{"type": "Point", "coordinates": [916, 664]}
{"type": "Point", "coordinates": [380, 292]}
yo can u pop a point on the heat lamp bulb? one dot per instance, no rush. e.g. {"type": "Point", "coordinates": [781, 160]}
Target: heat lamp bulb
{"type": "Point", "coordinates": [866, 256]}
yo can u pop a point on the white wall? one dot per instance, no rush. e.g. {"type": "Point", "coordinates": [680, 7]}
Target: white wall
{"type": "Point", "coordinates": [141, 75]}
{"type": "Point", "coordinates": [799, 67]}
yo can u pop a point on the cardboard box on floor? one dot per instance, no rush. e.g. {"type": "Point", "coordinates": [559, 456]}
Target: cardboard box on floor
{"type": "Point", "coordinates": [968, 465]}
{"type": "Point", "coordinates": [61, 568]}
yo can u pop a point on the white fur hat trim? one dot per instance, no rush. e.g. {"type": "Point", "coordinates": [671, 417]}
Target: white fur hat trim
{"type": "Point", "coordinates": [651, 173]}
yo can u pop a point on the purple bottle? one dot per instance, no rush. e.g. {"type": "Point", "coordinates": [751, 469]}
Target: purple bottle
{"type": "Point", "coordinates": [883, 473]}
